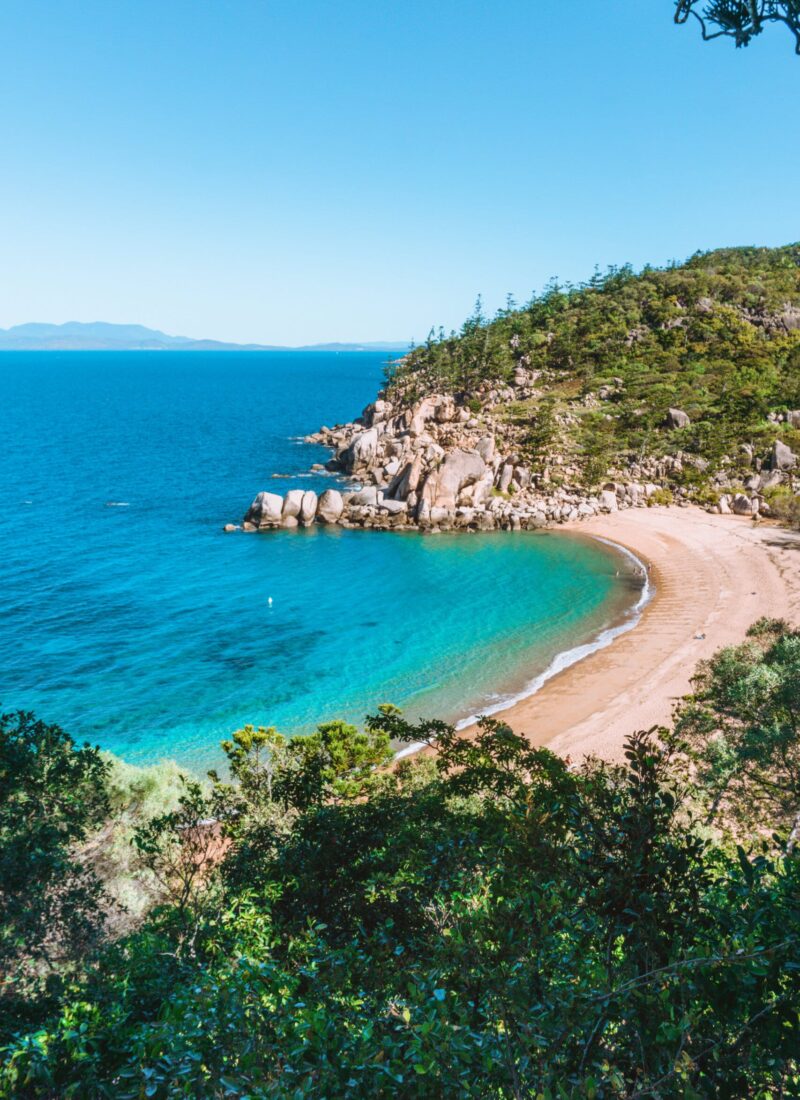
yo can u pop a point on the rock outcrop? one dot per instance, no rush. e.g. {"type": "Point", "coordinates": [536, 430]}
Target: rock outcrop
{"type": "Point", "coordinates": [265, 511]}
{"type": "Point", "coordinates": [434, 464]}
{"type": "Point", "coordinates": [459, 470]}
{"type": "Point", "coordinates": [677, 418]}
{"type": "Point", "coordinates": [308, 507]}
{"type": "Point", "coordinates": [782, 457]}
{"type": "Point", "coordinates": [330, 506]}
{"type": "Point", "coordinates": [292, 503]}
{"type": "Point", "coordinates": [459, 464]}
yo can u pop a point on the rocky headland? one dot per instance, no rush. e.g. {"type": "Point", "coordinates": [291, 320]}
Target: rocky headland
{"type": "Point", "coordinates": [671, 386]}
{"type": "Point", "coordinates": [439, 463]}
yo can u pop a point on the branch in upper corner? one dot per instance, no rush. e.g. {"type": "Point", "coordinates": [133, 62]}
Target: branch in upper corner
{"type": "Point", "coordinates": [741, 20]}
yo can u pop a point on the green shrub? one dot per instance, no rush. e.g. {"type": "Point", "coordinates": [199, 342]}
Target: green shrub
{"type": "Point", "coordinates": [784, 505]}
{"type": "Point", "coordinates": [706, 496]}
{"type": "Point", "coordinates": [136, 795]}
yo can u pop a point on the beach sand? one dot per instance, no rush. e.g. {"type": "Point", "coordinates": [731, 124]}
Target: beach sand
{"type": "Point", "coordinates": [713, 576]}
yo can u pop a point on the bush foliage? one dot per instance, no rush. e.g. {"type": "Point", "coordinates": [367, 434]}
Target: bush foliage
{"type": "Point", "coordinates": [488, 921]}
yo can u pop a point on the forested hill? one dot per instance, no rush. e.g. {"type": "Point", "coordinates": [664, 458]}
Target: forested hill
{"type": "Point", "coordinates": [591, 372]}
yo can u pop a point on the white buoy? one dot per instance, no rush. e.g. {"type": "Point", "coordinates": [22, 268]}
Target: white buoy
{"type": "Point", "coordinates": [269, 600]}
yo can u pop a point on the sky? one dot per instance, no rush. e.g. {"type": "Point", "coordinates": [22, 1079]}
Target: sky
{"type": "Point", "coordinates": [295, 171]}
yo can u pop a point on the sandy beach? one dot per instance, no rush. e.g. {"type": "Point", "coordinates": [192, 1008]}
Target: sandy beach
{"type": "Point", "coordinates": [713, 577]}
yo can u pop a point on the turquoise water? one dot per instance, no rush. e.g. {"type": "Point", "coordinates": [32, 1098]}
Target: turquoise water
{"type": "Point", "coordinates": [139, 625]}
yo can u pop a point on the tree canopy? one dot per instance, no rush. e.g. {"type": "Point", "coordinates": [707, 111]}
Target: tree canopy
{"type": "Point", "coordinates": [52, 794]}
{"type": "Point", "coordinates": [490, 922]}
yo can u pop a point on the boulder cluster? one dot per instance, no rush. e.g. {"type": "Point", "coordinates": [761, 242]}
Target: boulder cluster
{"type": "Point", "coordinates": [748, 499]}
{"type": "Point", "coordinates": [431, 465]}
{"type": "Point", "coordinates": [436, 464]}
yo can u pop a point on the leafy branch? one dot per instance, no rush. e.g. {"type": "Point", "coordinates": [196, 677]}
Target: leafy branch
{"type": "Point", "coordinates": [741, 20]}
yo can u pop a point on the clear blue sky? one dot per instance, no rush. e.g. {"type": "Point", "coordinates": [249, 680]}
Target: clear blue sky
{"type": "Point", "coordinates": [290, 171]}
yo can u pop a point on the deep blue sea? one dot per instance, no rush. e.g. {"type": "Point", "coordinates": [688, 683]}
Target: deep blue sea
{"type": "Point", "coordinates": [129, 618]}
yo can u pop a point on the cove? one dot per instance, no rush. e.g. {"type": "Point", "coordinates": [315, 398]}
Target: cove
{"type": "Point", "coordinates": [131, 620]}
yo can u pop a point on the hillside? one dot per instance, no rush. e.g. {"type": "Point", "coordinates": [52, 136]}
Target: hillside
{"type": "Point", "coordinates": [674, 384]}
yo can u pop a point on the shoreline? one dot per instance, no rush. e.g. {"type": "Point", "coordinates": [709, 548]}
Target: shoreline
{"type": "Point", "coordinates": [711, 577]}
{"type": "Point", "coordinates": [566, 659]}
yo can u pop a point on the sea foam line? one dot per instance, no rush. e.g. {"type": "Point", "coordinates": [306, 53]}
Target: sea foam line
{"type": "Point", "coordinates": [564, 660]}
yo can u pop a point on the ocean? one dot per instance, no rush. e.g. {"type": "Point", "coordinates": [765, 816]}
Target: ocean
{"type": "Point", "coordinates": [128, 617]}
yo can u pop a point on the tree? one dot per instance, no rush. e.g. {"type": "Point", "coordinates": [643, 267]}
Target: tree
{"type": "Point", "coordinates": [741, 20]}
{"type": "Point", "coordinates": [597, 439]}
{"type": "Point", "coordinates": [337, 762]}
{"type": "Point", "coordinates": [539, 434]}
{"type": "Point", "coordinates": [276, 780]}
{"type": "Point", "coordinates": [741, 728]}
{"type": "Point", "coordinates": [181, 850]}
{"type": "Point", "coordinates": [52, 793]}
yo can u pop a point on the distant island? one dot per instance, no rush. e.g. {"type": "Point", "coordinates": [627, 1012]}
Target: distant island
{"type": "Point", "coordinates": [102, 336]}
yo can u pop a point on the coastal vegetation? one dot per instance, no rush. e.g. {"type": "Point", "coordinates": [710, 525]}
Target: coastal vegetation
{"type": "Point", "coordinates": [635, 389]}
{"type": "Point", "coordinates": [717, 338]}
{"type": "Point", "coordinates": [487, 921]}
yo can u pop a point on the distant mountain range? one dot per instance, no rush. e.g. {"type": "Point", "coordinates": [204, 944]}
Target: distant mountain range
{"type": "Point", "coordinates": [101, 336]}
